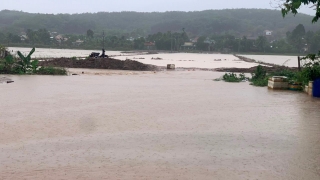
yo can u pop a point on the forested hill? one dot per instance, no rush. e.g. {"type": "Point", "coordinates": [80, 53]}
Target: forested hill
{"type": "Point", "coordinates": [249, 22]}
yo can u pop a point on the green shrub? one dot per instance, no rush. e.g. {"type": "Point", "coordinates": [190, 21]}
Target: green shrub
{"type": "Point", "coordinates": [232, 77]}
{"type": "Point", "coordinates": [51, 71]}
{"type": "Point", "coordinates": [259, 77]}
{"type": "Point", "coordinates": [291, 75]}
{"type": "Point", "coordinates": [260, 82]}
{"type": "Point", "coordinates": [260, 73]}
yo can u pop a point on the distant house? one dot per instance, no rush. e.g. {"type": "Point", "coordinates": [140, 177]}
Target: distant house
{"type": "Point", "coordinates": [59, 38]}
{"type": "Point", "coordinates": [209, 41]}
{"type": "Point", "coordinates": [53, 33]}
{"type": "Point", "coordinates": [188, 46]}
{"type": "Point", "coordinates": [23, 37]}
{"type": "Point", "coordinates": [78, 42]}
{"type": "Point", "coordinates": [268, 33]}
{"type": "Point", "coordinates": [130, 39]}
{"type": "Point", "coordinates": [195, 40]}
{"type": "Point", "coordinates": [150, 45]}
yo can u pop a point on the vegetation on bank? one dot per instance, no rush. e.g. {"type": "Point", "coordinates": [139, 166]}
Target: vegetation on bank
{"type": "Point", "coordinates": [311, 68]}
{"type": "Point", "coordinates": [296, 42]}
{"type": "Point", "coordinates": [238, 30]}
{"type": "Point", "coordinates": [24, 65]}
{"type": "Point", "coordinates": [141, 24]}
{"type": "Point", "coordinates": [309, 72]}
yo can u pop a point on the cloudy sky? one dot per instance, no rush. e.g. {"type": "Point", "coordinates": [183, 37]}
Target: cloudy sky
{"type": "Point", "coordinates": [82, 6]}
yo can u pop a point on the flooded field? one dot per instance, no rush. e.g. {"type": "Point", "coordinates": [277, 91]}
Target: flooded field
{"type": "Point", "coordinates": [290, 61]}
{"type": "Point", "coordinates": [56, 53]}
{"type": "Point", "coordinates": [183, 60]}
{"type": "Point", "coordinates": [191, 60]}
{"type": "Point", "coordinates": [163, 125]}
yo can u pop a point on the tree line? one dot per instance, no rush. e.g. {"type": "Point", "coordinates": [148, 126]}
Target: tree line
{"type": "Point", "coordinates": [296, 41]}
{"type": "Point", "coordinates": [238, 22]}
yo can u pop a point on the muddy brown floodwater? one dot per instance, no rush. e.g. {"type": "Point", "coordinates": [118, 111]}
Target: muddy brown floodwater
{"type": "Point", "coordinates": [163, 125]}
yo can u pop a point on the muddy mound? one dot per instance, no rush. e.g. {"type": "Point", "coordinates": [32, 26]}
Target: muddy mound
{"type": "Point", "coordinates": [98, 63]}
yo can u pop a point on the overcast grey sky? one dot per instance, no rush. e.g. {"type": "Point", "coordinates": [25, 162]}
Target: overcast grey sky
{"type": "Point", "coordinates": [82, 6]}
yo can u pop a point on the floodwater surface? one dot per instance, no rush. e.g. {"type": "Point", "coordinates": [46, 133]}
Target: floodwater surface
{"type": "Point", "coordinates": [163, 125]}
{"type": "Point", "coordinates": [181, 60]}
{"type": "Point", "coordinates": [290, 61]}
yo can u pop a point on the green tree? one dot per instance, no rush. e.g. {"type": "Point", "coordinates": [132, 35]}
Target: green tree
{"type": "Point", "coordinates": [311, 70]}
{"type": "Point", "coordinates": [2, 51]}
{"type": "Point", "coordinates": [294, 5]}
{"type": "Point", "coordinates": [297, 37]}
{"type": "Point", "coordinates": [201, 45]}
{"type": "Point", "coordinates": [262, 43]}
{"type": "Point", "coordinates": [43, 36]}
{"type": "Point", "coordinates": [139, 43]}
{"type": "Point", "coordinates": [90, 33]}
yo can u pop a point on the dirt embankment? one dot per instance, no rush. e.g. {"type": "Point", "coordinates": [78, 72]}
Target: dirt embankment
{"type": "Point", "coordinates": [99, 63]}
{"type": "Point", "coordinates": [269, 67]}
{"type": "Point", "coordinates": [253, 69]}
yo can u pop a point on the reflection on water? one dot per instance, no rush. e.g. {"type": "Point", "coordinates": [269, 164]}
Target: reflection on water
{"type": "Point", "coordinates": [168, 125]}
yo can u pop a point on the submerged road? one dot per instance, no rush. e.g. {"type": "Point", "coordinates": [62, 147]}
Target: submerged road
{"type": "Point", "coordinates": [164, 125]}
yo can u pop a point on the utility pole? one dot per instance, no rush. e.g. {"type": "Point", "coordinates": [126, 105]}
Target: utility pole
{"type": "Point", "coordinates": [299, 66]}
{"type": "Point", "coordinates": [171, 40]}
{"type": "Point", "coordinates": [103, 39]}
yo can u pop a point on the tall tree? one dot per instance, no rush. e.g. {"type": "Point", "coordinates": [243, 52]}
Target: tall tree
{"type": "Point", "coordinates": [262, 43]}
{"type": "Point", "coordinates": [293, 7]}
{"type": "Point", "coordinates": [297, 37]}
{"type": "Point", "coordinates": [90, 33]}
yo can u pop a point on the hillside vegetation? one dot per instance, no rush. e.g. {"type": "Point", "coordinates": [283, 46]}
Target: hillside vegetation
{"type": "Point", "coordinates": [239, 22]}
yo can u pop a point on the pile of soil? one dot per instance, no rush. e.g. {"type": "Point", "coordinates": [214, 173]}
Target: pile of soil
{"type": "Point", "coordinates": [98, 63]}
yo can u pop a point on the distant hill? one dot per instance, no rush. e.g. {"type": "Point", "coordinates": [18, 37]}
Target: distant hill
{"type": "Point", "coordinates": [239, 22]}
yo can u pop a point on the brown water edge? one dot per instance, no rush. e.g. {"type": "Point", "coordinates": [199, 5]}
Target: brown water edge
{"type": "Point", "coordinates": [164, 125]}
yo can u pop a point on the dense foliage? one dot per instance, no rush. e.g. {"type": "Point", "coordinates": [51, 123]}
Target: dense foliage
{"type": "Point", "coordinates": [232, 77]}
{"type": "Point", "coordinates": [24, 65]}
{"type": "Point", "coordinates": [240, 22]}
{"type": "Point", "coordinates": [311, 68]}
